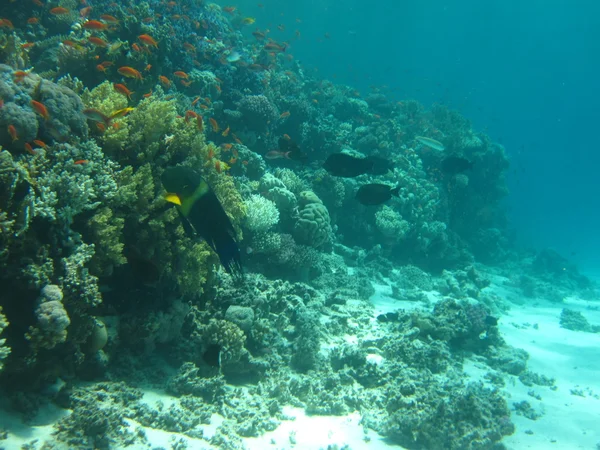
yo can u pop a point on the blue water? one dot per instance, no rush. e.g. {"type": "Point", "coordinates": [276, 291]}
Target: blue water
{"type": "Point", "coordinates": [525, 72]}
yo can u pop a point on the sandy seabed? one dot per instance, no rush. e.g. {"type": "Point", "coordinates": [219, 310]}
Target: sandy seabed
{"type": "Point", "coordinates": [569, 414]}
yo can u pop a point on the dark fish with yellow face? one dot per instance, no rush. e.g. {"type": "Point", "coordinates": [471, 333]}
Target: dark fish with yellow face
{"type": "Point", "coordinates": [376, 194]}
{"type": "Point", "coordinates": [348, 166]}
{"type": "Point", "coordinates": [202, 214]}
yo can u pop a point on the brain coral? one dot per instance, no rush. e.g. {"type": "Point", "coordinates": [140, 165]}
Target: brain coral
{"type": "Point", "coordinates": [65, 109]}
{"type": "Point", "coordinates": [313, 226]}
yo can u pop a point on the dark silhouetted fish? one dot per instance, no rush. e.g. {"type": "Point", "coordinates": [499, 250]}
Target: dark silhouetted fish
{"type": "Point", "coordinates": [455, 164]}
{"type": "Point", "coordinates": [376, 194]}
{"type": "Point", "coordinates": [212, 355]}
{"type": "Point", "coordinates": [202, 214]}
{"type": "Point", "coordinates": [388, 317]}
{"type": "Point", "coordinates": [348, 166]}
{"type": "Point", "coordinates": [491, 321]}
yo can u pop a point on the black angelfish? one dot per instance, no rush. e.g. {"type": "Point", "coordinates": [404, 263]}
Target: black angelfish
{"type": "Point", "coordinates": [376, 194]}
{"type": "Point", "coordinates": [202, 214]}
{"type": "Point", "coordinates": [348, 166]}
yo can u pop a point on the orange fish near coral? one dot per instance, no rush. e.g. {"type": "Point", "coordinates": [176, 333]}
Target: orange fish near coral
{"type": "Point", "coordinates": [108, 18]}
{"type": "Point", "coordinates": [165, 81]}
{"type": "Point", "coordinates": [13, 132]}
{"type": "Point", "coordinates": [225, 132]}
{"type": "Point", "coordinates": [41, 109]}
{"type": "Point", "coordinates": [130, 72]}
{"type": "Point", "coordinates": [181, 74]}
{"type": "Point", "coordinates": [284, 115]}
{"type": "Point", "coordinates": [122, 89]}
{"type": "Point", "coordinates": [214, 124]}
{"type": "Point", "coordinates": [39, 143]}
{"type": "Point", "coordinates": [190, 115]}
{"type": "Point", "coordinates": [98, 42]}
{"type": "Point", "coordinates": [80, 162]}
{"type": "Point", "coordinates": [95, 25]}
{"type": "Point", "coordinates": [5, 23]}
{"type": "Point", "coordinates": [29, 148]}
{"type": "Point", "coordinates": [148, 40]}
{"type": "Point", "coordinates": [59, 11]}
{"type": "Point", "coordinates": [229, 9]}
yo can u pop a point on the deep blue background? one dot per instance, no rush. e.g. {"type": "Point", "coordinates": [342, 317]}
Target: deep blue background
{"type": "Point", "coordinates": [527, 72]}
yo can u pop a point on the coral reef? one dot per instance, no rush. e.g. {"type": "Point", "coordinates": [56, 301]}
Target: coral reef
{"type": "Point", "coordinates": [101, 279]}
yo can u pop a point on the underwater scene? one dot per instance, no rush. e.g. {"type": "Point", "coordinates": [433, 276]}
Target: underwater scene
{"type": "Point", "coordinates": [265, 224]}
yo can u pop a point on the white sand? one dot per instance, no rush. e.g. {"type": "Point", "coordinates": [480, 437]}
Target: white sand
{"type": "Point", "coordinates": [568, 421]}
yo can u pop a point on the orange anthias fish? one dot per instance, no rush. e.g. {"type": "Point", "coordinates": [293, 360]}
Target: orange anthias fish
{"type": "Point", "coordinates": [122, 89]}
{"type": "Point", "coordinates": [229, 9]}
{"type": "Point", "coordinates": [214, 124]}
{"type": "Point", "coordinates": [273, 46]}
{"type": "Point", "coordinates": [181, 74]}
{"type": "Point", "coordinates": [13, 132]}
{"type": "Point", "coordinates": [41, 109]}
{"type": "Point", "coordinates": [284, 115]}
{"type": "Point", "coordinates": [190, 115]}
{"type": "Point", "coordinates": [29, 148]}
{"type": "Point", "coordinates": [5, 23]}
{"type": "Point", "coordinates": [147, 39]}
{"type": "Point", "coordinates": [39, 143]}
{"type": "Point", "coordinates": [99, 42]}
{"type": "Point", "coordinates": [59, 11]}
{"type": "Point", "coordinates": [225, 132]}
{"type": "Point", "coordinates": [130, 72]}
{"type": "Point", "coordinates": [164, 80]}
{"type": "Point", "coordinates": [108, 18]}
{"type": "Point", "coordinates": [95, 25]}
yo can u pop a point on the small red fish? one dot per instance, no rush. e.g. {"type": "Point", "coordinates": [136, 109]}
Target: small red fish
{"type": "Point", "coordinates": [13, 132]}
{"type": "Point", "coordinates": [59, 11]}
{"type": "Point", "coordinates": [28, 148]}
{"type": "Point", "coordinates": [41, 109]}
{"type": "Point", "coordinates": [94, 25]}
{"type": "Point", "coordinates": [80, 162]}
{"type": "Point", "coordinates": [147, 39]}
